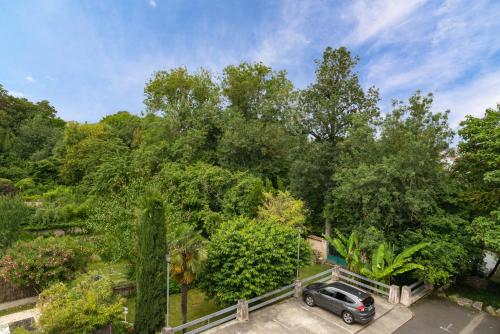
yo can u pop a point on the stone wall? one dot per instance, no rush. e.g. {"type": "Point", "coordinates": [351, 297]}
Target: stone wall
{"type": "Point", "coordinates": [319, 247]}
{"type": "Point", "coordinates": [10, 292]}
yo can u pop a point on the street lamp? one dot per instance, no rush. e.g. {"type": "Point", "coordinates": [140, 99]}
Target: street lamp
{"type": "Point", "coordinates": [298, 250]}
{"type": "Point", "coordinates": [167, 258]}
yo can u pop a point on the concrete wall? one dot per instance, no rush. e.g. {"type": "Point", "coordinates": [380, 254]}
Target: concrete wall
{"type": "Point", "coordinates": [10, 292]}
{"type": "Point", "coordinates": [319, 246]}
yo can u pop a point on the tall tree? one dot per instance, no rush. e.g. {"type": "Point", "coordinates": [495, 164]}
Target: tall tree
{"type": "Point", "coordinates": [151, 270]}
{"type": "Point", "coordinates": [329, 106]}
{"type": "Point", "coordinates": [188, 255]}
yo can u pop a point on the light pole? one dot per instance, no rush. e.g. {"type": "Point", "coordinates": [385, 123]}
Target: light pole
{"type": "Point", "coordinates": [298, 251]}
{"type": "Point", "coordinates": [167, 258]}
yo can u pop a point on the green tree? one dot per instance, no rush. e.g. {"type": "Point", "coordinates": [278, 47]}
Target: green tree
{"type": "Point", "coordinates": [348, 249]}
{"type": "Point", "coordinates": [151, 271]}
{"type": "Point", "coordinates": [188, 255]}
{"type": "Point", "coordinates": [329, 107]}
{"type": "Point", "coordinates": [14, 215]}
{"type": "Point", "coordinates": [282, 208]}
{"type": "Point", "coordinates": [82, 307]}
{"type": "Point", "coordinates": [477, 164]}
{"type": "Point", "coordinates": [486, 232]}
{"type": "Point", "coordinates": [247, 258]}
{"type": "Point", "coordinates": [385, 264]}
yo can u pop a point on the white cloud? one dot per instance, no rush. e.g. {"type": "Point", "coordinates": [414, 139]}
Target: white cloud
{"type": "Point", "coordinates": [29, 79]}
{"type": "Point", "coordinates": [16, 94]}
{"type": "Point", "coordinates": [152, 3]}
{"type": "Point", "coordinates": [374, 17]}
{"type": "Point", "coordinates": [471, 98]}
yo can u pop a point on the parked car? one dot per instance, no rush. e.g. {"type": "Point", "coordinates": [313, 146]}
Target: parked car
{"type": "Point", "coordinates": [352, 304]}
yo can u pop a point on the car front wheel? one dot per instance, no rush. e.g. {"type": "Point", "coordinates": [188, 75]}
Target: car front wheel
{"type": "Point", "coordinates": [309, 300]}
{"type": "Point", "coordinates": [347, 317]}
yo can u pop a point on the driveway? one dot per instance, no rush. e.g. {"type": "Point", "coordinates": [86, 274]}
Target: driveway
{"type": "Point", "coordinates": [293, 316]}
{"type": "Point", "coordinates": [439, 316]}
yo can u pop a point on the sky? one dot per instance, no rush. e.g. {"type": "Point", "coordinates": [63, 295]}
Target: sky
{"type": "Point", "coordinates": [93, 58]}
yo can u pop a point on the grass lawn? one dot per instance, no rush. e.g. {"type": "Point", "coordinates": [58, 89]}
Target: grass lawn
{"type": "Point", "coordinates": [117, 272]}
{"type": "Point", "coordinates": [490, 296]}
{"type": "Point", "coordinates": [313, 270]}
{"type": "Point", "coordinates": [197, 307]}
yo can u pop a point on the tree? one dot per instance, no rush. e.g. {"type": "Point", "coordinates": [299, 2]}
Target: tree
{"type": "Point", "coordinates": [14, 215]}
{"type": "Point", "coordinates": [247, 258]}
{"type": "Point", "coordinates": [82, 307]}
{"type": "Point", "coordinates": [385, 264]}
{"type": "Point", "coordinates": [188, 255]}
{"type": "Point", "coordinates": [348, 248]}
{"type": "Point", "coordinates": [151, 271]}
{"type": "Point", "coordinates": [329, 106]}
{"type": "Point", "coordinates": [282, 208]}
{"type": "Point", "coordinates": [477, 164]}
{"type": "Point", "coordinates": [486, 232]}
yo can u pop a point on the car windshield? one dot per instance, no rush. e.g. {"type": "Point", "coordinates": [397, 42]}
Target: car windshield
{"type": "Point", "coordinates": [368, 301]}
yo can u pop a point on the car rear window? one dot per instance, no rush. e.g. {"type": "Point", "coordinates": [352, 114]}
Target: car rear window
{"type": "Point", "coordinates": [368, 301]}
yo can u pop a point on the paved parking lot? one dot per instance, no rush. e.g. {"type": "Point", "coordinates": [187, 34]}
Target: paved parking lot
{"type": "Point", "coordinates": [293, 316]}
{"type": "Point", "coordinates": [439, 316]}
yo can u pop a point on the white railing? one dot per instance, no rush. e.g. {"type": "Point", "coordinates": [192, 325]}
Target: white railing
{"type": "Point", "coordinates": [362, 281]}
{"type": "Point", "coordinates": [411, 293]}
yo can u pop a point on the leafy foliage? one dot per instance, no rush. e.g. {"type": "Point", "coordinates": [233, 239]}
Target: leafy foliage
{"type": "Point", "coordinates": [151, 269]}
{"type": "Point", "coordinates": [247, 258]}
{"type": "Point", "coordinates": [348, 248]}
{"type": "Point", "coordinates": [282, 208]}
{"type": "Point", "coordinates": [81, 307]}
{"type": "Point", "coordinates": [14, 215]}
{"type": "Point", "coordinates": [41, 262]}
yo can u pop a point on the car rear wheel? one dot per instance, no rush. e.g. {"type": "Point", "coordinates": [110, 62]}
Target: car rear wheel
{"type": "Point", "coordinates": [347, 317]}
{"type": "Point", "coordinates": [309, 300]}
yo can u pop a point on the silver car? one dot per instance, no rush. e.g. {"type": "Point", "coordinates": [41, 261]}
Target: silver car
{"type": "Point", "coordinates": [352, 304]}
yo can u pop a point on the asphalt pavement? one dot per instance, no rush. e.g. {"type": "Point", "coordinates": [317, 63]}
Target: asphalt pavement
{"type": "Point", "coordinates": [439, 316]}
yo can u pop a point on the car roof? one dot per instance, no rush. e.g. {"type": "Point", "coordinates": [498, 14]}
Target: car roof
{"type": "Point", "coordinates": [350, 290]}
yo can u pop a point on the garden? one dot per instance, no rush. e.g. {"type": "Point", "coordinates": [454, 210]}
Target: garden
{"type": "Point", "coordinates": [229, 175]}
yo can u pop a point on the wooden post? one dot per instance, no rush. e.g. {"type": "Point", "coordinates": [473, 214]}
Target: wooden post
{"type": "Point", "coordinates": [394, 294]}
{"type": "Point", "coordinates": [297, 289]}
{"type": "Point", "coordinates": [242, 310]}
{"type": "Point", "coordinates": [336, 273]}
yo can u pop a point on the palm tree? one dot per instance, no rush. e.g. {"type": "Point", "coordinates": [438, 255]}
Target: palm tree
{"type": "Point", "coordinates": [384, 264]}
{"type": "Point", "coordinates": [348, 248]}
{"type": "Point", "coordinates": [188, 254]}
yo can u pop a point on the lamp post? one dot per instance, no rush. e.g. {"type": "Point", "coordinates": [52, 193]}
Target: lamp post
{"type": "Point", "coordinates": [298, 251]}
{"type": "Point", "coordinates": [167, 258]}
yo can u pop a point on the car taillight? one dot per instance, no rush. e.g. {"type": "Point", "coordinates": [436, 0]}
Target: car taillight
{"type": "Point", "coordinates": [361, 308]}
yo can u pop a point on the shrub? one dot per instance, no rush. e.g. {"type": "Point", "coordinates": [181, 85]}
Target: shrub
{"type": "Point", "coordinates": [13, 215]}
{"type": "Point", "coordinates": [25, 184]}
{"type": "Point", "coordinates": [7, 187]}
{"type": "Point", "coordinates": [41, 262]}
{"type": "Point", "coordinates": [247, 258]}
{"type": "Point", "coordinates": [83, 307]}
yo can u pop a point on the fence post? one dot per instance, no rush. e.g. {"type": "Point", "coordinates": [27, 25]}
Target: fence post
{"type": "Point", "coordinates": [297, 289]}
{"type": "Point", "coordinates": [336, 273]}
{"type": "Point", "coordinates": [406, 295]}
{"type": "Point", "coordinates": [242, 310]}
{"type": "Point", "coordinates": [167, 330]}
{"type": "Point", "coordinates": [394, 294]}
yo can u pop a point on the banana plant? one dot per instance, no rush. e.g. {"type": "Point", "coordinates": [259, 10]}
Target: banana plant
{"type": "Point", "coordinates": [348, 248]}
{"type": "Point", "coordinates": [385, 264]}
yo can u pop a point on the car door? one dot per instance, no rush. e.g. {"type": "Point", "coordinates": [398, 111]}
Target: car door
{"type": "Point", "coordinates": [328, 300]}
{"type": "Point", "coordinates": [339, 302]}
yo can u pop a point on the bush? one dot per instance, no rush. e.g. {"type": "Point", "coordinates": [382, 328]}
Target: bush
{"type": "Point", "coordinates": [13, 215]}
{"type": "Point", "coordinates": [44, 261]}
{"type": "Point", "coordinates": [247, 258]}
{"type": "Point", "coordinates": [25, 184]}
{"type": "Point", "coordinates": [7, 187]}
{"type": "Point", "coordinates": [82, 308]}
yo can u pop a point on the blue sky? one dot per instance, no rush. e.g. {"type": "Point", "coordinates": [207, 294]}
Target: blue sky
{"type": "Point", "coordinates": [92, 58]}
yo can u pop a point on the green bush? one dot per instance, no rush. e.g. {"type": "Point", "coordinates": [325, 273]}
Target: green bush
{"type": "Point", "coordinates": [7, 187]}
{"type": "Point", "coordinates": [25, 184]}
{"type": "Point", "coordinates": [41, 262]}
{"type": "Point", "coordinates": [82, 308]}
{"type": "Point", "coordinates": [247, 258]}
{"type": "Point", "coordinates": [14, 214]}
